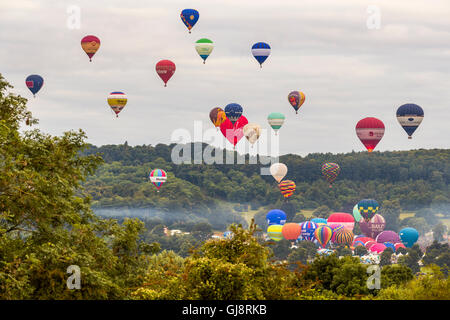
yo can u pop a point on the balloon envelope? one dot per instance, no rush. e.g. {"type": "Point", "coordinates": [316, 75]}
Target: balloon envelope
{"type": "Point", "coordinates": [117, 101]}
{"type": "Point", "coordinates": [158, 177]}
{"type": "Point", "coordinates": [368, 208]}
{"type": "Point", "coordinates": [344, 236]}
{"type": "Point", "coordinates": [252, 132]}
{"type": "Point", "coordinates": [261, 51]}
{"type": "Point", "coordinates": [233, 112]}
{"type": "Point", "coordinates": [373, 227]}
{"type": "Point", "coordinates": [90, 45]}
{"type": "Point", "coordinates": [323, 235]}
{"type": "Point", "coordinates": [276, 120]}
{"type": "Point", "coordinates": [189, 18]}
{"type": "Point", "coordinates": [276, 216]}
{"type": "Point", "coordinates": [204, 47]}
{"type": "Point", "coordinates": [370, 131]}
{"type": "Point", "coordinates": [335, 227]}
{"type": "Point", "coordinates": [217, 116]}
{"type": "Point", "coordinates": [308, 229]}
{"type": "Point", "coordinates": [278, 171]}
{"type": "Point", "coordinates": [387, 236]}
{"type": "Point", "coordinates": [390, 245]}
{"type": "Point", "coordinates": [343, 218]}
{"type": "Point", "coordinates": [233, 132]}
{"type": "Point", "coordinates": [377, 248]}
{"type": "Point", "coordinates": [34, 83]}
{"type": "Point", "coordinates": [165, 70]}
{"type": "Point", "coordinates": [410, 116]}
{"type": "Point", "coordinates": [291, 231]}
{"type": "Point", "coordinates": [330, 171]}
{"type": "Point", "coordinates": [296, 99]}
{"type": "Point", "coordinates": [356, 213]}
{"type": "Point", "coordinates": [287, 188]}
{"type": "Point", "coordinates": [408, 236]}
{"type": "Point", "coordinates": [274, 232]}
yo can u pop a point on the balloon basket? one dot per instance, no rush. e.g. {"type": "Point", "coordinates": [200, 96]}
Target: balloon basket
{"type": "Point", "coordinates": [409, 137]}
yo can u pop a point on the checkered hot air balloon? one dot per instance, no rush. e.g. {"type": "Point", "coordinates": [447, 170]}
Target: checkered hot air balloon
{"type": "Point", "coordinates": [330, 171]}
{"type": "Point", "coordinates": [368, 208]}
{"type": "Point", "coordinates": [158, 177]}
{"type": "Point", "coordinates": [287, 188]}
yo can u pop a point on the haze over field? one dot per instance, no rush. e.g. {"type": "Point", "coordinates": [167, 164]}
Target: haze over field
{"type": "Point", "coordinates": [323, 48]}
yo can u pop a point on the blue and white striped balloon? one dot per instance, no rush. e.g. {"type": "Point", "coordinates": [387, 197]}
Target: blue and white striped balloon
{"type": "Point", "coordinates": [261, 51]}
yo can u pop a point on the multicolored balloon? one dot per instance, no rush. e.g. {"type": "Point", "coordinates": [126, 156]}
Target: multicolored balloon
{"type": "Point", "coordinates": [217, 117]}
{"type": "Point", "coordinates": [274, 232]}
{"type": "Point", "coordinates": [276, 120]}
{"type": "Point", "coordinates": [287, 188]}
{"type": "Point", "coordinates": [90, 45]}
{"type": "Point", "coordinates": [34, 83]}
{"type": "Point", "coordinates": [368, 208]}
{"type": "Point", "coordinates": [308, 230]}
{"type": "Point", "coordinates": [278, 171]}
{"type": "Point", "coordinates": [410, 116]}
{"type": "Point", "coordinates": [323, 235]}
{"type": "Point", "coordinates": [276, 216]}
{"type": "Point", "coordinates": [158, 177]}
{"type": "Point", "coordinates": [296, 99]}
{"type": "Point", "coordinates": [373, 227]}
{"type": "Point", "coordinates": [189, 18]}
{"type": "Point", "coordinates": [344, 236]}
{"type": "Point", "coordinates": [165, 70]}
{"type": "Point", "coordinates": [346, 219]}
{"type": "Point", "coordinates": [117, 101]}
{"type": "Point", "coordinates": [319, 221]}
{"type": "Point", "coordinates": [408, 236]}
{"type": "Point", "coordinates": [335, 227]}
{"type": "Point", "coordinates": [233, 112]}
{"type": "Point", "coordinates": [233, 132]}
{"type": "Point", "coordinates": [330, 171]}
{"type": "Point", "coordinates": [291, 231]}
{"type": "Point", "coordinates": [261, 51]}
{"type": "Point", "coordinates": [204, 48]}
{"type": "Point", "coordinates": [370, 131]}
{"type": "Point", "coordinates": [252, 132]}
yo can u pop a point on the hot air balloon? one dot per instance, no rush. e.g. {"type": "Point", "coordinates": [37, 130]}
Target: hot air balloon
{"type": "Point", "coordinates": [308, 229]}
{"type": "Point", "coordinates": [399, 245]}
{"type": "Point", "coordinates": [335, 227]}
{"type": "Point", "coordinates": [319, 221]}
{"type": "Point", "coordinates": [291, 231]}
{"type": "Point", "coordinates": [344, 236]}
{"type": "Point", "coordinates": [217, 116]}
{"type": "Point", "coordinates": [204, 48]}
{"type": "Point", "coordinates": [373, 227]}
{"type": "Point", "coordinates": [90, 45]}
{"type": "Point", "coordinates": [252, 131]}
{"type": "Point", "coordinates": [296, 99]}
{"type": "Point", "coordinates": [274, 232]}
{"type": "Point", "coordinates": [390, 245]}
{"type": "Point", "coordinates": [357, 243]}
{"type": "Point", "coordinates": [346, 219]}
{"type": "Point", "coordinates": [287, 188]}
{"type": "Point", "coordinates": [356, 214]}
{"type": "Point", "coordinates": [276, 216]}
{"type": "Point", "coordinates": [410, 116]}
{"type": "Point", "coordinates": [377, 248]}
{"type": "Point", "coordinates": [370, 131]}
{"type": "Point", "coordinates": [330, 171]}
{"type": "Point", "coordinates": [369, 244]}
{"type": "Point", "coordinates": [189, 18]}
{"type": "Point", "coordinates": [408, 236]}
{"type": "Point", "coordinates": [364, 239]}
{"type": "Point", "coordinates": [276, 120]}
{"type": "Point", "coordinates": [368, 208]}
{"type": "Point", "coordinates": [117, 101]}
{"type": "Point", "coordinates": [233, 132]}
{"type": "Point", "coordinates": [165, 70]}
{"type": "Point", "coordinates": [278, 171]}
{"type": "Point", "coordinates": [158, 177]}
{"type": "Point", "coordinates": [233, 112]}
{"type": "Point", "coordinates": [387, 236]}
{"type": "Point", "coordinates": [261, 51]}
{"type": "Point", "coordinates": [323, 235]}
{"type": "Point", "coordinates": [34, 83]}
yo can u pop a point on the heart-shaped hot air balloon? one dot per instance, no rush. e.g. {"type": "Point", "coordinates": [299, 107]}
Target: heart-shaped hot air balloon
{"type": "Point", "coordinates": [90, 45]}
{"type": "Point", "coordinates": [165, 70]}
{"type": "Point", "coordinates": [233, 132]}
{"type": "Point", "coordinates": [370, 131]}
{"type": "Point", "coordinates": [296, 99]}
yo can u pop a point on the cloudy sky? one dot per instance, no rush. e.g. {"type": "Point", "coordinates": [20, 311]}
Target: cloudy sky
{"type": "Point", "coordinates": [321, 47]}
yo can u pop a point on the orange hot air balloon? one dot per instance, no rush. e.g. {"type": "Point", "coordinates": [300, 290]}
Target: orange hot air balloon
{"type": "Point", "coordinates": [291, 231]}
{"type": "Point", "coordinates": [90, 45]}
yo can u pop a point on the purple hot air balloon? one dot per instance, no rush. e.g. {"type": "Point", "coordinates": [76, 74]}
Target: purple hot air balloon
{"type": "Point", "coordinates": [373, 227]}
{"type": "Point", "coordinates": [388, 236]}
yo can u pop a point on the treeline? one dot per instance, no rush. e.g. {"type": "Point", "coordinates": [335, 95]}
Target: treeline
{"type": "Point", "coordinates": [418, 179]}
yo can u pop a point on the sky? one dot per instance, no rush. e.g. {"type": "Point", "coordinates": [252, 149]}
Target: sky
{"type": "Point", "coordinates": [324, 48]}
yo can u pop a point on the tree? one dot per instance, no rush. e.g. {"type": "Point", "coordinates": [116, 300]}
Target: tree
{"type": "Point", "coordinates": [390, 210]}
{"type": "Point", "coordinates": [322, 212]}
{"type": "Point", "coordinates": [385, 258]}
{"type": "Point", "coordinates": [395, 275]}
{"type": "Point", "coordinates": [439, 231]}
{"type": "Point", "coordinates": [411, 259]}
{"type": "Point", "coordinates": [289, 208]}
{"type": "Point", "coordinates": [361, 250]}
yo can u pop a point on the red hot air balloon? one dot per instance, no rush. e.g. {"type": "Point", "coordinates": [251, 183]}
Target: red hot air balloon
{"type": "Point", "coordinates": [233, 132]}
{"type": "Point", "coordinates": [343, 218]}
{"type": "Point", "coordinates": [370, 131]}
{"type": "Point", "coordinates": [165, 70]}
{"type": "Point", "coordinates": [90, 45]}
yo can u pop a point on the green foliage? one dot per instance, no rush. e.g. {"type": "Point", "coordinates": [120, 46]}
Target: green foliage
{"type": "Point", "coordinates": [395, 275]}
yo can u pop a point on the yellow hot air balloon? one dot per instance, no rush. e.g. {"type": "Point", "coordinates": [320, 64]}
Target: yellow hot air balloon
{"type": "Point", "coordinates": [117, 101]}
